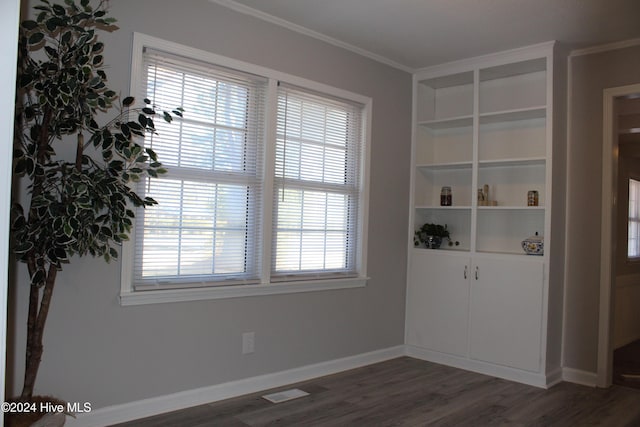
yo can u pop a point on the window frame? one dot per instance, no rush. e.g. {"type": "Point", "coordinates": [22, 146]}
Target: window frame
{"type": "Point", "coordinates": [631, 259]}
{"type": "Point", "coordinates": [130, 296]}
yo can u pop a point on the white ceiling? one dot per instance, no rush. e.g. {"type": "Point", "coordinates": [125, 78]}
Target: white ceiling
{"type": "Point", "coordinates": [412, 34]}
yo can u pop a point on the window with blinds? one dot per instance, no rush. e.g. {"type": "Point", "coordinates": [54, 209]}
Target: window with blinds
{"type": "Point", "coordinates": [316, 185]}
{"type": "Point", "coordinates": [206, 227]}
{"type": "Point", "coordinates": [266, 189]}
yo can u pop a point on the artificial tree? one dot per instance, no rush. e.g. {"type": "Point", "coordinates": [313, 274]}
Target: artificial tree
{"type": "Point", "coordinates": [82, 204]}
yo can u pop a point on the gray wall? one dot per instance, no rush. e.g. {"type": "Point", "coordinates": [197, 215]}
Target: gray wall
{"type": "Point", "coordinates": [590, 75]}
{"type": "Point", "coordinates": [8, 44]}
{"type": "Point", "coordinates": [98, 351]}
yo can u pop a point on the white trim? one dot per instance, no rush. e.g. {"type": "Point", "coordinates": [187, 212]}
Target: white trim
{"type": "Point", "coordinates": [536, 51]}
{"type": "Point", "coordinates": [241, 8]}
{"type": "Point", "coordinates": [605, 47]}
{"type": "Point", "coordinates": [577, 376]}
{"type": "Point", "coordinates": [9, 22]}
{"type": "Point", "coordinates": [567, 176]}
{"type": "Point", "coordinates": [609, 185]}
{"type": "Point", "coordinates": [128, 297]}
{"type": "Point", "coordinates": [504, 372]}
{"type": "Point", "coordinates": [185, 399]}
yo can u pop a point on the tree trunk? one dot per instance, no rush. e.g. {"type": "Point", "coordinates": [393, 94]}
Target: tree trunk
{"type": "Point", "coordinates": [38, 312]}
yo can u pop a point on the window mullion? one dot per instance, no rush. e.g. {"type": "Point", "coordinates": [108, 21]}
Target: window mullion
{"type": "Point", "coordinates": [271, 133]}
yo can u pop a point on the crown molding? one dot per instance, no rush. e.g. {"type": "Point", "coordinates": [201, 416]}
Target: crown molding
{"type": "Point", "coordinates": [605, 47]}
{"type": "Point", "coordinates": [231, 4]}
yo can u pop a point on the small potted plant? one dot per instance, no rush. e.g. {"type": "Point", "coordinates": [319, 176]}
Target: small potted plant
{"type": "Point", "coordinates": [431, 236]}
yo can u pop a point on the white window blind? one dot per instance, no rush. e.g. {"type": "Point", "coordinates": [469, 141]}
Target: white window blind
{"type": "Point", "coordinates": [206, 226]}
{"type": "Point", "coordinates": [633, 242]}
{"type": "Point", "coordinates": [316, 185]}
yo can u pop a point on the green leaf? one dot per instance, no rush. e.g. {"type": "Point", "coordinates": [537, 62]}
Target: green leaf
{"type": "Point", "coordinates": [29, 25]}
{"type": "Point", "coordinates": [35, 38]}
{"type": "Point", "coordinates": [167, 117]}
{"type": "Point", "coordinates": [128, 101]}
{"type": "Point", "coordinates": [68, 230]}
{"type": "Point", "coordinates": [66, 37]}
{"type": "Point", "coordinates": [20, 167]}
{"type": "Point", "coordinates": [152, 154]}
{"type": "Point", "coordinates": [59, 10]}
{"type": "Point", "coordinates": [30, 166]}
{"type": "Point", "coordinates": [125, 130]}
{"type": "Point", "coordinates": [53, 23]}
{"type": "Point", "coordinates": [25, 80]}
{"type": "Point", "coordinates": [23, 247]}
{"type": "Point", "coordinates": [148, 110]}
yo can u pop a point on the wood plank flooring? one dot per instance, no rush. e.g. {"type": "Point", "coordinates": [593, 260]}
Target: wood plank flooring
{"type": "Point", "coordinates": [411, 392]}
{"type": "Point", "coordinates": [626, 365]}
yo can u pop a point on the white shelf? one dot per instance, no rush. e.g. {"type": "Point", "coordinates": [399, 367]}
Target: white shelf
{"type": "Point", "coordinates": [449, 80]}
{"type": "Point", "coordinates": [445, 166]}
{"type": "Point", "coordinates": [536, 112]}
{"type": "Point", "coordinates": [511, 208]}
{"type": "Point", "coordinates": [445, 208]}
{"type": "Point", "coordinates": [519, 255]}
{"type": "Point", "coordinates": [525, 161]}
{"type": "Point", "coordinates": [513, 69]}
{"type": "Point", "coordinates": [448, 123]}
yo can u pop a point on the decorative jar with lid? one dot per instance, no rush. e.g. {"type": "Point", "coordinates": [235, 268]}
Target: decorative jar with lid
{"type": "Point", "coordinates": [533, 245]}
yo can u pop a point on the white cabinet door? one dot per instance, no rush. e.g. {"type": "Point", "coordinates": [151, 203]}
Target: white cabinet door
{"type": "Point", "coordinates": [438, 301]}
{"type": "Point", "coordinates": [506, 312]}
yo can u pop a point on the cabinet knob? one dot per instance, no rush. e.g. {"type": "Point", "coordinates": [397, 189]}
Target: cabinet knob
{"type": "Point", "coordinates": [465, 271]}
{"type": "Point", "coordinates": [476, 272]}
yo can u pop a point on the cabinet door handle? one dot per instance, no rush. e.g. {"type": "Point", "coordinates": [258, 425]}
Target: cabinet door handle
{"type": "Point", "coordinates": [476, 272]}
{"type": "Point", "coordinates": [465, 271]}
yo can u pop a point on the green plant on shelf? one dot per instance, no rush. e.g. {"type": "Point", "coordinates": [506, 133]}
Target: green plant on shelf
{"type": "Point", "coordinates": [431, 236]}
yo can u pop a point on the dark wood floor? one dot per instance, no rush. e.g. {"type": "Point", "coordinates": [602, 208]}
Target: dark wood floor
{"type": "Point", "coordinates": [410, 392]}
{"type": "Point", "coordinates": [626, 365]}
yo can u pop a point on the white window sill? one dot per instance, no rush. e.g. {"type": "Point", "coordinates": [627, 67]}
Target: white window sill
{"type": "Point", "coordinates": [221, 292]}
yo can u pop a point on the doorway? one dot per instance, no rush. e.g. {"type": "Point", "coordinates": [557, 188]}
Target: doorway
{"type": "Point", "coordinates": [608, 336]}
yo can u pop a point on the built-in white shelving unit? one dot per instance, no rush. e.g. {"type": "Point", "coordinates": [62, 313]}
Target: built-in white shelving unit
{"type": "Point", "coordinates": [487, 121]}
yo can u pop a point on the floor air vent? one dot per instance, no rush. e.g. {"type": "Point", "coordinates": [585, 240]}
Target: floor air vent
{"type": "Point", "coordinates": [283, 396]}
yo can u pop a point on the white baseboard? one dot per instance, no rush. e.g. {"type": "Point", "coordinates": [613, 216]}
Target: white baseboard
{"type": "Point", "coordinates": [517, 375]}
{"type": "Point", "coordinates": [580, 377]}
{"type": "Point", "coordinates": [157, 405]}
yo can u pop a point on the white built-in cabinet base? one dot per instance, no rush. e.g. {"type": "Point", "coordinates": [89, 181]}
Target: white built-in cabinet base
{"type": "Point", "coordinates": [482, 312]}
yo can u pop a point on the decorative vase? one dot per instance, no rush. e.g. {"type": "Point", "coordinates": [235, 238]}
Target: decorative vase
{"type": "Point", "coordinates": [533, 245]}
